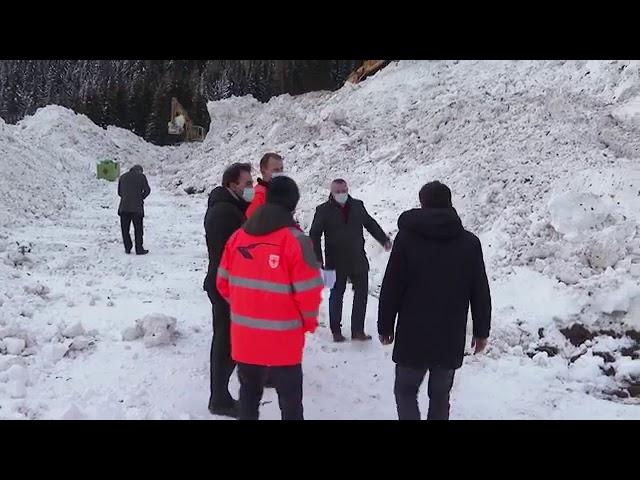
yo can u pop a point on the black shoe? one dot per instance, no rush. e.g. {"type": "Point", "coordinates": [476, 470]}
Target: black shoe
{"type": "Point", "coordinates": [142, 252]}
{"type": "Point", "coordinates": [338, 337]}
{"type": "Point", "coordinates": [361, 336]}
{"type": "Point", "coordinates": [228, 410]}
{"type": "Point", "coordinates": [127, 251]}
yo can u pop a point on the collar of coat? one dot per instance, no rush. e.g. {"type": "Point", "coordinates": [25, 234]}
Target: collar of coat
{"type": "Point", "coordinates": [223, 195]}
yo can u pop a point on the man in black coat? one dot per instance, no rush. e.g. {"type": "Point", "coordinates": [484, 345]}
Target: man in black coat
{"type": "Point", "coordinates": [341, 220]}
{"type": "Point", "coordinates": [436, 270]}
{"type": "Point", "coordinates": [133, 188]}
{"type": "Point", "coordinates": [225, 214]}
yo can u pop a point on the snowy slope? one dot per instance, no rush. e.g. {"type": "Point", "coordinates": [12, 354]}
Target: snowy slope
{"type": "Point", "coordinates": [69, 309]}
{"type": "Point", "coordinates": [542, 159]}
{"type": "Point", "coordinates": [48, 160]}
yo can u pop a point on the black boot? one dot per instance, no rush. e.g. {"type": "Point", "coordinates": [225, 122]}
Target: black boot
{"type": "Point", "coordinates": [360, 336]}
{"type": "Point", "coordinates": [338, 337]}
{"type": "Point", "coordinates": [228, 410]}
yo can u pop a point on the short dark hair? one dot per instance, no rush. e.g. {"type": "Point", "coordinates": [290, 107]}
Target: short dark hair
{"type": "Point", "coordinates": [232, 173]}
{"type": "Point", "coordinates": [435, 195]}
{"type": "Point", "coordinates": [339, 180]}
{"type": "Point", "coordinates": [265, 159]}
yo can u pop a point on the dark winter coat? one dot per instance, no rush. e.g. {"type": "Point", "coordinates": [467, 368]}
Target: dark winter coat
{"type": "Point", "coordinates": [225, 214]}
{"type": "Point", "coordinates": [344, 239]}
{"type": "Point", "coordinates": [133, 188]}
{"type": "Point", "coordinates": [436, 269]}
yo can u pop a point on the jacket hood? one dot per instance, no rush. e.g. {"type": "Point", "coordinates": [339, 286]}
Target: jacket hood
{"type": "Point", "coordinates": [268, 218]}
{"type": "Point", "coordinates": [432, 223]}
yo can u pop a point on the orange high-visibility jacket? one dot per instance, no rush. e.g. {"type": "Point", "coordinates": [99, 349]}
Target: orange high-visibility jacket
{"type": "Point", "coordinates": [272, 281]}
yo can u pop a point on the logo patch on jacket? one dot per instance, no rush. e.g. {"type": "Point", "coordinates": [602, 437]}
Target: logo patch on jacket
{"type": "Point", "coordinates": [245, 251]}
{"type": "Point", "coordinates": [274, 261]}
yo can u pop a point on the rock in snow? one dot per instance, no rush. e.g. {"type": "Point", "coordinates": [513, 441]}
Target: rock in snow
{"type": "Point", "coordinates": [156, 328]}
{"type": "Point", "coordinates": [73, 331]}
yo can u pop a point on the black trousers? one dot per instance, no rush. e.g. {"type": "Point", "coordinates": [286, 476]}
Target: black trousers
{"type": "Point", "coordinates": [125, 224]}
{"type": "Point", "coordinates": [222, 365]}
{"type": "Point", "coordinates": [407, 385]}
{"type": "Point", "coordinates": [288, 384]}
{"type": "Point", "coordinates": [360, 283]}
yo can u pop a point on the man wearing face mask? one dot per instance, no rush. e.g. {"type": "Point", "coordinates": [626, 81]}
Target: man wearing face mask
{"type": "Point", "coordinates": [225, 214]}
{"type": "Point", "coordinates": [341, 220]}
{"type": "Point", "coordinates": [271, 166]}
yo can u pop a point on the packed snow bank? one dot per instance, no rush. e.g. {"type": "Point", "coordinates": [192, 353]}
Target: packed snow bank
{"type": "Point", "coordinates": [629, 112]}
{"type": "Point", "coordinates": [48, 173]}
{"type": "Point", "coordinates": [541, 157]}
{"type": "Point", "coordinates": [48, 161]}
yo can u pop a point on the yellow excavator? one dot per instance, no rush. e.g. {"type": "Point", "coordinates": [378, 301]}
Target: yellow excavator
{"type": "Point", "coordinates": [181, 124]}
{"type": "Point", "coordinates": [368, 68]}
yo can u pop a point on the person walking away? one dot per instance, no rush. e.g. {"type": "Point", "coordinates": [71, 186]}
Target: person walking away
{"type": "Point", "coordinates": [271, 166]}
{"type": "Point", "coordinates": [341, 220]}
{"type": "Point", "coordinates": [133, 189]}
{"type": "Point", "coordinates": [271, 279]}
{"type": "Point", "coordinates": [435, 271]}
{"type": "Point", "coordinates": [225, 214]}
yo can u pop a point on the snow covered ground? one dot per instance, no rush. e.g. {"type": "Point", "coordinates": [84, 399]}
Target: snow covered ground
{"type": "Point", "coordinates": [542, 159]}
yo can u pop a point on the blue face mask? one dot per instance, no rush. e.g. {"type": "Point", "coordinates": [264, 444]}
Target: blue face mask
{"type": "Point", "coordinates": [341, 198]}
{"type": "Point", "coordinates": [248, 193]}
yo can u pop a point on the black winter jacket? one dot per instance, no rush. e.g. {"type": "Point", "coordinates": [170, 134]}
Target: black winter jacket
{"type": "Point", "coordinates": [133, 188]}
{"type": "Point", "coordinates": [225, 214]}
{"type": "Point", "coordinates": [344, 241]}
{"type": "Point", "coordinates": [435, 271]}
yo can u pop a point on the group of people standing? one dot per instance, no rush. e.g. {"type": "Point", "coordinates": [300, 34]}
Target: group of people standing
{"type": "Point", "coordinates": [265, 278]}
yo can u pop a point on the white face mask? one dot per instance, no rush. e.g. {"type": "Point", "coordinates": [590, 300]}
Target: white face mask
{"type": "Point", "coordinates": [277, 174]}
{"type": "Point", "coordinates": [248, 193]}
{"type": "Point", "coordinates": [341, 198]}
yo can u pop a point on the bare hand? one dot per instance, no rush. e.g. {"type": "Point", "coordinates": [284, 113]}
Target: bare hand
{"type": "Point", "coordinates": [387, 246]}
{"type": "Point", "coordinates": [386, 339]}
{"type": "Point", "coordinates": [478, 344]}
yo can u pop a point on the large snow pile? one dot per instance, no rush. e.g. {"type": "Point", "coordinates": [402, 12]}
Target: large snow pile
{"type": "Point", "coordinates": [541, 157]}
{"type": "Point", "coordinates": [48, 161]}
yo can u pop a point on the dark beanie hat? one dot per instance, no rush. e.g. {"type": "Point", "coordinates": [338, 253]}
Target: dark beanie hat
{"type": "Point", "coordinates": [283, 191]}
{"type": "Point", "coordinates": [435, 195]}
